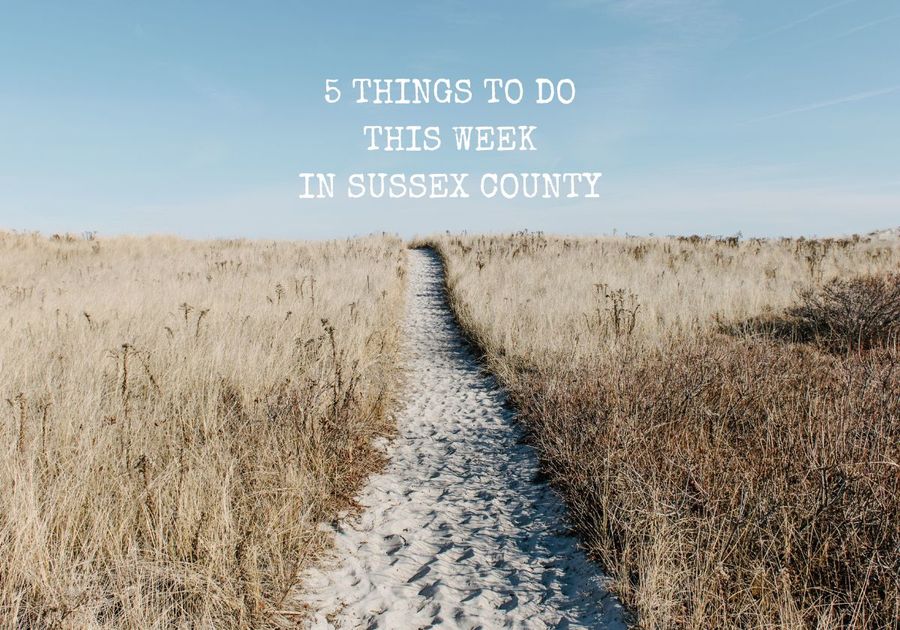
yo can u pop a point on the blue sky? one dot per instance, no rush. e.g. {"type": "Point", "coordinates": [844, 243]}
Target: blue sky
{"type": "Point", "coordinates": [194, 118]}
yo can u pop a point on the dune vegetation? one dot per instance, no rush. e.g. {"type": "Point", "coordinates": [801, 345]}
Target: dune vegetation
{"type": "Point", "coordinates": [722, 416]}
{"type": "Point", "coordinates": [179, 417]}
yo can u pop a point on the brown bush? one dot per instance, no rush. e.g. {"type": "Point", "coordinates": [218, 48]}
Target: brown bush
{"type": "Point", "coordinates": [853, 314]}
{"type": "Point", "coordinates": [731, 483]}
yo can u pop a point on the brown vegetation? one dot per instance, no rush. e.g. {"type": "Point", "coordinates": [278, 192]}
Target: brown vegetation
{"type": "Point", "coordinates": [726, 473]}
{"type": "Point", "coordinates": [179, 419]}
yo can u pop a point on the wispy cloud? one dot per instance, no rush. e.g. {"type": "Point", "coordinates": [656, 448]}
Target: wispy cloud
{"type": "Point", "coordinates": [867, 25]}
{"type": "Point", "coordinates": [666, 39]}
{"type": "Point", "coordinates": [850, 32]}
{"type": "Point", "coordinates": [684, 19]}
{"type": "Point", "coordinates": [860, 96]}
{"type": "Point", "coordinates": [806, 18]}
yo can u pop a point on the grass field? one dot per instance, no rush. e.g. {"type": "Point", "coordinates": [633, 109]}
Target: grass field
{"type": "Point", "coordinates": [178, 419]}
{"type": "Point", "coordinates": [721, 416]}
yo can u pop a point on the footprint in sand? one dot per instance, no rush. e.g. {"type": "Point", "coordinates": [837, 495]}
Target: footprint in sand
{"type": "Point", "coordinates": [455, 532]}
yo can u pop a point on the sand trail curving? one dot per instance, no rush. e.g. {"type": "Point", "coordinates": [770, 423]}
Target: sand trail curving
{"type": "Point", "coordinates": [455, 533]}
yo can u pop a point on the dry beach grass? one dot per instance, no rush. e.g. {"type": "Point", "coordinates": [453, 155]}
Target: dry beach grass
{"type": "Point", "coordinates": [179, 417]}
{"type": "Point", "coordinates": [721, 416]}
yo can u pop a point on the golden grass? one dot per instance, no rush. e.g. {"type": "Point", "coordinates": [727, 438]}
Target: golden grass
{"type": "Point", "coordinates": [179, 418]}
{"type": "Point", "coordinates": [725, 438]}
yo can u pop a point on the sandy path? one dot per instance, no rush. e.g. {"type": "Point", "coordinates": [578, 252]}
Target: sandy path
{"type": "Point", "coordinates": [455, 533]}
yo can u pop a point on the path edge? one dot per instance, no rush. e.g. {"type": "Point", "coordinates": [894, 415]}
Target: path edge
{"type": "Point", "coordinates": [480, 354]}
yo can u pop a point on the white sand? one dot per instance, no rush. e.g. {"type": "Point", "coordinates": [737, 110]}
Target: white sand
{"type": "Point", "coordinates": [455, 532]}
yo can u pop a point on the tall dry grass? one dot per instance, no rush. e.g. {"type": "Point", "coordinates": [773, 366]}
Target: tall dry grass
{"type": "Point", "coordinates": [721, 417]}
{"type": "Point", "coordinates": [179, 417]}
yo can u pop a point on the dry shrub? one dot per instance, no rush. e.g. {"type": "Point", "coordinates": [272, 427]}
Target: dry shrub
{"type": "Point", "coordinates": [857, 313]}
{"type": "Point", "coordinates": [845, 315]}
{"type": "Point", "coordinates": [723, 481]}
{"type": "Point", "coordinates": [731, 483]}
{"type": "Point", "coordinates": [180, 418]}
